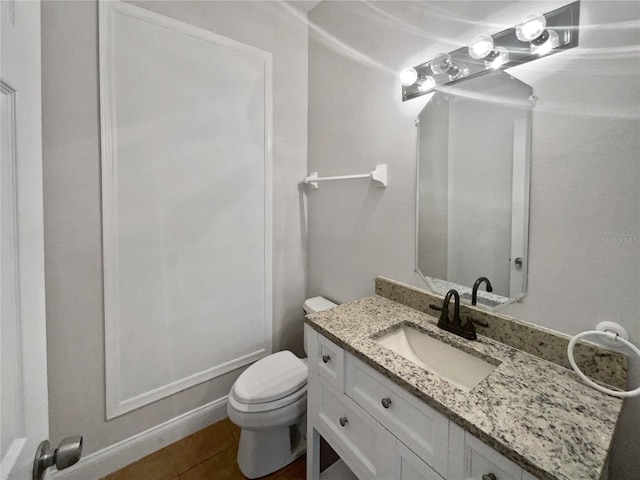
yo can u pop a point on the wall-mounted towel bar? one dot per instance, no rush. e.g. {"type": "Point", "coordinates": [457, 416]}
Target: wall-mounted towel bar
{"type": "Point", "coordinates": [379, 176]}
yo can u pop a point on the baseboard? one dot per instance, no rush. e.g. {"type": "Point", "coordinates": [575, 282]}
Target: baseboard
{"type": "Point", "coordinates": [121, 454]}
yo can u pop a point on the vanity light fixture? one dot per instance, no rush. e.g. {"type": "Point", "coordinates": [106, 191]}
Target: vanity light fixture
{"type": "Point", "coordinates": [426, 83]}
{"type": "Point", "coordinates": [443, 64]}
{"type": "Point", "coordinates": [496, 58]}
{"type": "Point", "coordinates": [535, 36]}
{"type": "Point", "coordinates": [481, 46]}
{"type": "Point", "coordinates": [408, 76]}
{"type": "Point", "coordinates": [533, 29]}
{"type": "Point", "coordinates": [545, 43]}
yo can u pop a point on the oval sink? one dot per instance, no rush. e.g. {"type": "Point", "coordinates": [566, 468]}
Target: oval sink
{"type": "Point", "coordinates": [458, 367]}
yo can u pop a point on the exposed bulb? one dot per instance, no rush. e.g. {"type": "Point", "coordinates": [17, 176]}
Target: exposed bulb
{"type": "Point", "coordinates": [480, 47]}
{"type": "Point", "coordinates": [531, 27]}
{"type": "Point", "coordinates": [496, 58]}
{"type": "Point", "coordinates": [545, 43]}
{"type": "Point", "coordinates": [408, 76]}
{"type": "Point", "coordinates": [426, 83]}
{"type": "Point", "coordinates": [441, 63]}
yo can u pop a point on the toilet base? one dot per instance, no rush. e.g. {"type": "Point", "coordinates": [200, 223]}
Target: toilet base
{"type": "Point", "coordinates": [261, 452]}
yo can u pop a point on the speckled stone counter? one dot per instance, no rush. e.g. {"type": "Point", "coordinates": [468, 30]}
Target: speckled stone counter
{"type": "Point", "coordinates": [534, 412]}
{"type": "Point", "coordinates": [605, 366]}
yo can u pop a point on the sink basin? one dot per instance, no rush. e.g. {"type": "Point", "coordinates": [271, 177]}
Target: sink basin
{"type": "Point", "coordinates": [458, 367]}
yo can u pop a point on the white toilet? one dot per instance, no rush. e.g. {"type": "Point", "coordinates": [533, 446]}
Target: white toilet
{"type": "Point", "coordinates": [268, 402]}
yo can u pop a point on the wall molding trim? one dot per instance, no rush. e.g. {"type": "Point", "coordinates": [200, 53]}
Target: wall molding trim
{"type": "Point", "coordinates": [118, 379]}
{"type": "Point", "coordinates": [125, 452]}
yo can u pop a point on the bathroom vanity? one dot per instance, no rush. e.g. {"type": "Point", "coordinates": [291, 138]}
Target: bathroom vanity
{"type": "Point", "coordinates": [389, 418]}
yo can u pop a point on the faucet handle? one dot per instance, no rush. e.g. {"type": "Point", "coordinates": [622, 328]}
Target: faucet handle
{"type": "Point", "coordinates": [435, 307]}
{"type": "Point", "coordinates": [481, 323]}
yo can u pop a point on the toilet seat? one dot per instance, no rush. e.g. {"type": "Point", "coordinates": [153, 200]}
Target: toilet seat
{"type": "Point", "coordinates": [271, 383]}
{"type": "Point", "coordinates": [300, 394]}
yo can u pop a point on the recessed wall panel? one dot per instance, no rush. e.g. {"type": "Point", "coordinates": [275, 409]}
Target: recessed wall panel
{"type": "Point", "coordinates": [186, 204]}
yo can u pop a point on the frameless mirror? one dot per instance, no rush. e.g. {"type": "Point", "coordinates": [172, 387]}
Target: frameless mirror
{"type": "Point", "coordinates": [473, 188]}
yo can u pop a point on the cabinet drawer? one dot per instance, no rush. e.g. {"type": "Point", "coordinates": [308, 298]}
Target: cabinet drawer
{"type": "Point", "coordinates": [365, 446]}
{"type": "Point", "coordinates": [470, 459]}
{"type": "Point", "coordinates": [327, 359]}
{"type": "Point", "coordinates": [417, 425]}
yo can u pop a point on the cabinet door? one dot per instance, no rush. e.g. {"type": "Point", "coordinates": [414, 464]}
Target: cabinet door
{"type": "Point", "coordinates": [412, 467]}
{"type": "Point", "coordinates": [363, 444]}
{"type": "Point", "coordinates": [470, 459]}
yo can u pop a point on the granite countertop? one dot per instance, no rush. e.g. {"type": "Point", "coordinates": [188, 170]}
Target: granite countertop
{"type": "Point", "coordinates": [534, 412]}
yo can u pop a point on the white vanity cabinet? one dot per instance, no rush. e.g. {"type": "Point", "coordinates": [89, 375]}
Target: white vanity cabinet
{"type": "Point", "coordinates": [470, 458]}
{"type": "Point", "coordinates": [381, 431]}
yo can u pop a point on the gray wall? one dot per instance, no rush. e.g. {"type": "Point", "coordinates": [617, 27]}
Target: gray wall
{"type": "Point", "coordinates": [584, 250]}
{"type": "Point", "coordinates": [73, 250]}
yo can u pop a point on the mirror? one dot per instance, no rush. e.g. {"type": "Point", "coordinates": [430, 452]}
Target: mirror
{"type": "Point", "coordinates": [473, 158]}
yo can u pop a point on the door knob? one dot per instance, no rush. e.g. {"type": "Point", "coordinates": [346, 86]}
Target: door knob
{"type": "Point", "coordinates": [386, 402]}
{"type": "Point", "coordinates": [68, 453]}
{"type": "Point", "coordinates": [326, 358]}
{"type": "Point", "coordinates": [343, 421]}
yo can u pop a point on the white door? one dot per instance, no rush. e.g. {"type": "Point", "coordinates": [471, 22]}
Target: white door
{"type": "Point", "coordinates": [23, 356]}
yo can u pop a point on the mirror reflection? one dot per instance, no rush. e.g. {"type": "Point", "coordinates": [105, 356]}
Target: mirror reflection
{"type": "Point", "coordinates": [473, 188]}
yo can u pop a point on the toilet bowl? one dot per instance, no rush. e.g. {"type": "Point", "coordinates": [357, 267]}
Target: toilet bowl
{"type": "Point", "coordinates": [268, 402]}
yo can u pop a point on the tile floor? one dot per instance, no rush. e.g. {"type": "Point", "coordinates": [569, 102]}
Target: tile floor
{"type": "Point", "coordinates": [209, 454]}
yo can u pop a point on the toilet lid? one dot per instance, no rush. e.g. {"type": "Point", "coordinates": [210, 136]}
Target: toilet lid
{"type": "Point", "coordinates": [271, 378]}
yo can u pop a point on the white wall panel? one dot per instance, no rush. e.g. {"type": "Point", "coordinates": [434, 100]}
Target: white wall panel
{"type": "Point", "coordinates": [186, 204]}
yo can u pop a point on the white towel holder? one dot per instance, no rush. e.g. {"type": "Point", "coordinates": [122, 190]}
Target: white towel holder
{"type": "Point", "coordinates": [612, 334]}
{"type": "Point", "coordinates": [378, 176]}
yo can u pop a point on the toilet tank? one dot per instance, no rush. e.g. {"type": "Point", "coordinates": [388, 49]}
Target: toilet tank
{"type": "Point", "coordinates": [313, 305]}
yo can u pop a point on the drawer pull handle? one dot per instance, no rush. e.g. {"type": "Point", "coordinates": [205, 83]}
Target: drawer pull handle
{"type": "Point", "coordinates": [343, 421]}
{"type": "Point", "coordinates": [386, 402]}
{"type": "Point", "coordinates": [326, 358]}
{"type": "Point", "coordinates": [489, 476]}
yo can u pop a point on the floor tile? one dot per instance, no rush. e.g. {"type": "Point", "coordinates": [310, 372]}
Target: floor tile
{"type": "Point", "coordinates": [235, 430]}
{"type": "Point", "coordinates": [293, 471]}
{"type": "Point", "coordinates": [209, 454]}
{"type": "Point", "coordinates": [297, 470]}
{"type": "Point", "coordinates": [222, 466]}
{"type": "Point", "coordinates": [200, 446]}
{"type": "Point", "coordinates": [160, 465]}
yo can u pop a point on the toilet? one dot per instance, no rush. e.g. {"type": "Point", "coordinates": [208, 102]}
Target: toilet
{"type": "Point", "coordinates": [268, 402]}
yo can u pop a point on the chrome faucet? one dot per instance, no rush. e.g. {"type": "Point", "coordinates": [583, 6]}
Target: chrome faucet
{"type": "Point", "coordinates": [474, 292]}
{"type": "Point", "coordinates": [455, 325]}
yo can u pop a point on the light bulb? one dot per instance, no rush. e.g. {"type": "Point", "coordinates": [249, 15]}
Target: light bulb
{"type": "Point", "coordinates": [426, 83]}
{"type": "Point", "coordinates": [441, 63]}
{"type": "Point", "coordinates": [531, 27]}
{"type": "Point", "coordinates": [408, 76]}
{"type": "Point", "coordinates": [545, 43]}
{"type": "Point", "coordinates": [480, 47]}
{"type": "Point", "coordinates": [497, 58]}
